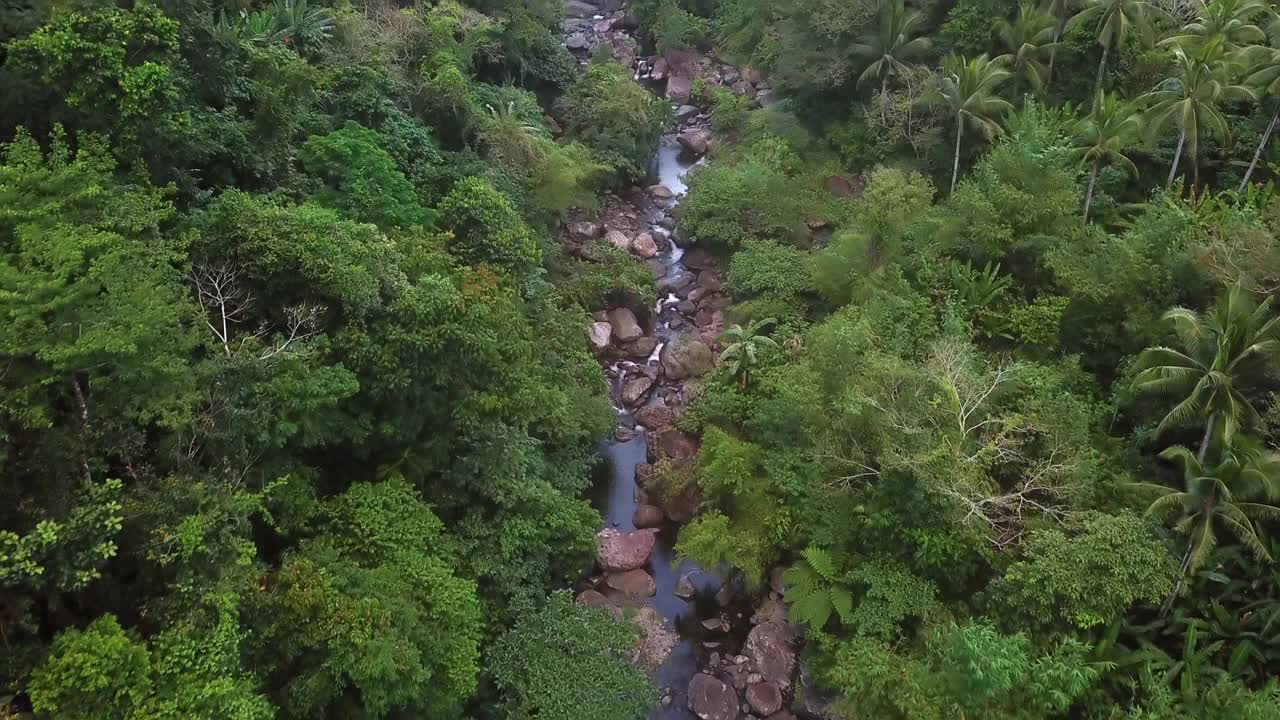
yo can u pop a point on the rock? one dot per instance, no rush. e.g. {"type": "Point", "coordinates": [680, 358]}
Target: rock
{"type": "Point", "coordinates": [635, 390]}
{"type": "Point", "coordinates": [618, 239]}
{"type": "Point", "coordinates": [743, 88]}
{"type": "Point", "coordinates": [686, 358]}
{"type": "Point", "coordinates": [698, 293]}
{"type": "Point", "coordinates": [583, 231]}
{"type": "Point", "coordinates": [674, 444]}
{"type": "Point", "coordinates": [679, 89]}
{"type": "Point", "coordinates": [686, 307]}
{"type": "Point", "coordinates": [604, 26]}
{"type": "Point", "coordinates": [662, 192]}
{"type": "Point", "coordinates": [724, 595]}
{"type": "Point", "coordinates": [768, 646]}
{"type": "Point", "coordinates": [634, 584]}
{"type": "Point", "coordinates": [577, 41]}
{"type": "Point", "coordinates": [655, 417]}
{"type": "Point", "coordinates": [710, 281]}
{"type": "Point", "coordinates": [624, 51]}
{"type": "Point", "coordinates": [754, 678]}
{"type": "Point", "coordinates": [579, 9]}
{"type": "Point", "coordinates": [713, 624]}
{"type": "Point", "coordinates": [644, 474]}
{"type": "Point", "coordinates": [675, 281]}
{"type": "Point", "coordinates": [775, 580]}
{"type": "Point", "coordinates": [754, 76]}
{"type": "Point", "coordinates": [619, 551]}
{"type": "Point", "coordinates": [839, 185]}
{"type": "Point", "coordinates": [768, 97]}
{"type": "Point", "coordinates": [655, 639]}
{"type": "Point", "coordinates": [591, 598]}
{"type": "Point", "coordinates": [659, 70]}
{"type": "Point", "coordinates": [695, 141]}
{"type": "Point", "coordinates": [624, 324]}
{"type": "Point", "coordinates": [685, 589]}
{"type": "Point", "coordinates": [710, 699]}
{"type": "Point", "coordinates": [642, 348]}
{"type": "Point", "coordinates": [647, 516]}
{"type": "Point", "coordinates": [730, 74]}
{"type": "Point", "coordinates": [599, 335]}
{"type": "Point", "coordinates": [684, 112]}
{"type": "Point", "coordinates": [781, 715]}
{"type": "Point", "coordinates": [699, 259]}
{"type": "Point", "coordinates": [667, 222]}
{"type": "Point", "coordinates": [644, 246]}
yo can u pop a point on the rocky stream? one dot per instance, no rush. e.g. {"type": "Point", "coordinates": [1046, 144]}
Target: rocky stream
{"type": "Point", "coordinates": [714, 651]}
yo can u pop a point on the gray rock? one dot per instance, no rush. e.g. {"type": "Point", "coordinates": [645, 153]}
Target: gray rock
{"type": "Point", "coordinates": [619, 551]}
{"type": "Point", "coordinates": [679, 89]}
{"type": "Point", "coordinates": [695, 141]}
{"type": "Point", "coordinates": [625, 326]}
{"type": "Point", "coordinates": [684, 112]}
{"type": "Point", "coordinates": [642, 348]}
{"type": "Point", "coordinates": [634, 584]}
{"type": "Point", "coordinates": [659, 70]}
{"type": "Point", "coordinates": [636, 390]}
{"type": "Point", "coordinates": [662, 192]}
{"type": "Point", "coordinates": [685, 589]}
{"type": "Point", "coordinates": [768, 646]}
{"type": "Point", "coordinates": [599, 335]}
{"type": "Point", "coordinates": [675, 281]}
{"type": "Point", "coordinates": [656, 637]}
{"type": "Point", "coordinates": [686, 358]}
{"type": "Point", "coordinates": [654, 416]}
{"type": "Point", "coordinates": [647, 516]}
{"type": "Point", "coordinates": [577, 41]}
{"type": "Point", "coordinates": [711, 699]}
{"type": "Point", "coordinates": [768, 97]}
{"type": "Point", "coordinates": [743, 88]}
{"type": "Point", "coordinates": [618, 239]}
{"type": "Point", "coordinates": [579, 9]}
{"type": "Point", "coordinates": [583, 231]}
{"type": "Point", "coordinates": [644, 246]}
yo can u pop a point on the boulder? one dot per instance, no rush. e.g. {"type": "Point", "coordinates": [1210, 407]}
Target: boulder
{"type": "Point", "coordinates": [644, 246]}
{"type": "Point", "coordinates": [618, 239]}
{"type": "Point", "coordinates": [579, 9]}
{"type": "Point", "coordinates": [675, 281]}
{"type": "Point", "coordinates": [711, 699]}
{"type": "Point", "coordinates": [635, 390]}
{"type": "Point", "coordinates": [839, 186]}
{"type": "Point", "coordinates": [699, 259]}
{"type": "Point", "coordinates": [644, 474]}
{"type": "Point", "coordinates": [625, 326]}
{"type": "Point", "coordinates": [768, 97]}
{"type": "Point", "coordinates": [592, 598]}
{"type": "Point", "coordinates": [577, 41]}
{"type": "Point", "coordinates": [710, 281]}
{"type": "Point", "coordinates": [662, 192]}
{"type": "Point", "coordinates": [642, 348]}
{"type": "Point", "coordinates": [674, 444]}
{"type": "Point", "coordinates": [583, 231]}
{"type": "Point", "coordinates": [764, 698]}
{"type": "Point", "coordinates": [695, 141]}
{"type": "Point", "coordinates": [655, 639]}
{"type": "Point", "coordinates": [684, 112]}
{"type": "Point", "coordinates": [619, 551]}
{"type": "Point", "coordinates": [684, 587]}
{"type": "Point", "coordinates": [647, 516]}
{"type": "Point", "coordinates": [754, 76]}
{"type": "Point", "coordinates": [633, 584]}
{"type": "Point", "coordinates": [679, 89]}
{"type": "Point", "coordinates": [624, 51]}
{"type": "Point", "coordinates": [659, 70]}
{"type": "Point", "coordinates": [654, 416]}
{"type": "Point", "coordinates": [768, 646]}
{"type": "Point", "coordinates": [599, 335]}
{"type": "Point", "coordinates": [686, 358]}
{"type": "Point", "coordinates": [730, 74]}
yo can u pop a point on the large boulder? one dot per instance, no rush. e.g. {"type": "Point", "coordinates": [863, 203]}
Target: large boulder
{"type": "Point", "coordinates": [647, 516]}
{"type": "Point", "coordinates": [679, 89]}
{"type": "Point", "coordinates": [635, 390]}
{"type": "Point", "coordinates": [583, 231]}
{"type": "Point", "coordinates": [711, 699]}
{"type": "Point", "coordinates": [655, 417]}
{"type": "Point", "coordinates": [659, 70]}
{"type": "Point", "coordinates": [675, 281]}
{"type": "Point", "coordinates": [624, 324]}
{"type": "Point", "coordinates": [695, 141]}
{"type": "Point", "coordinates": [686, 358]}
{"type": "Point", "coordinates": [644, 246]}
{"type": "Point", "coordinates": [592, 598]}
{"type": "Point", "coordinates": [579, 9]}
{"type": "Point", "coordinates": [656, 637]}
{"type": "Point", "coordinates": [674, 444]}
{"type": "Point", "coordinates": [632, 584]}
{"type": "Point", "coordinates": [642, 348]}
{"type": "Point", "coordinates": [769, 647]}
{"type": "Point", "coordinates": [599, 335]}
{"type": "Point", "coordinates": [662, 192]}
{"type": "Point", "coordinates": [618, 239]}
{"type": "Point", "coordinates": [764, 698]}
{"type": "Point", "coordinates": [619, 551]}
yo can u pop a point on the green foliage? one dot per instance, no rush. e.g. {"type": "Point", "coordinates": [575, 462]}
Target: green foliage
{"type": "Point", "coordinates": [486, 230]}
{"type": "Point", "coordinates": [67, 554]}
{"type": "Point", "coordinates": [569, 662]}
{"type": "Point", "coordinates": [617, 118]}
{"type": "Point", "coordinates": [98, 672]}
{"type": "Point", "coordinates": [768, 268]}
{"type": "Point", "coordinates": [816, 588]}
{"type": "Point", "coordinates": [361, 179]}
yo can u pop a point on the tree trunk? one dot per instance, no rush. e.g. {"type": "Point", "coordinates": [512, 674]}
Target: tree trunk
{"type": "Point", "coordinates": [1258, 153]}
{"type": "Point", "coordinates": [1088, 197]}
{"type": "Point", "coordinates": [1053, 55]}
{"type": "Point", "coordinates": [884, 101]}
{"type": "Point", "coordinates": [1177, 155]}
{"type": "Point", "coordinates": [955, 164]}
{"type": "Point", "coordinates": [1182, 576]}
{"type": "Point", "coordinates": [1102, 66]}
{"type": "Point", "coordinates": [1208, 435]}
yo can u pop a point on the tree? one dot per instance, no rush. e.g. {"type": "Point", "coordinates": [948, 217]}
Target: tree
{"type": "Point", "coordinates": [1229, 22]}
{"type": "Point", "coordinates": [967, 90]}
{"type": "Point", "coordinates": [1221, 352]}
{"type": "Point", "coordinates": [745, 346]}
{"type": "Point", "coordinates": [361, 179]}
{"type": "Point", "coordinates": [1242, 486]}
{"type": "Point", "coordinates": [890, 46]}
{"type": "Point", "coordinates": [1114, 22]}
{"type": "Point", "coordinates": [1191, 100]}
{"type": "Point", "coordinates": [486, 229]}
{"type": "Point", "coordinates": [1027, 38]}
{"type": "Point", "coordinates": [1266, 76]}
{"type": "Point", "coordinates": [1061, 12]}
{"type": "Point", "coordinates": [1111, 126]}
{"type": "Point", "coordinates": [817, 586]}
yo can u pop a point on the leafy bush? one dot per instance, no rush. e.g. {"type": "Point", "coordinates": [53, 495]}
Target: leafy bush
{"type": "Point", "coordinates": [617, 118]}
{"type": "Point", "coordinates": [361, 179]}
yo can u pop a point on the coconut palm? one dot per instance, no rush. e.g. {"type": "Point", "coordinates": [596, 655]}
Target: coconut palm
{"type": "Point", "coordinates": [890, 46]}
{"type": "Point", "coordinates": [1115, 21]}
{"type": "Point", "coordinates": [745, 347]}
{"type": "Point", "coordinates": [1229, 21]}
{"type": "Point", "coordinates": [1028, 39]}
{"type": "Point", "coordinates": [1103, 136]}
{"type": "Point", "coordinates": [1265, 77]}
{"type": "Point", "coordinates": [1243, 485]}
{"type": "Point", "coordinates": [967, 90]}
{"type": "Point", "coordinates": [1060, 11]}
{"type": "Point", "coordinates": [1191, 99]}
{"type": "Point", "coordinates": [1221, 352]}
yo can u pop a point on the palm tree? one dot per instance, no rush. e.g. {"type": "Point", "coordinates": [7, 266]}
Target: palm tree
{"type": "Point", "coordinates": [744, 350]}
{"type": "Point", "coordinates": [1191, 98]}
{"type": "Point", "coordinates": [889, 47]}
{"type": "Point", "coordinates": [1221, 351]}
{"type": "Point", "coordinates": [1027, 38]}
{"type": "Point", "coordinates": [1230, 21]}
{"type": "Point", "coordinates": [1060, 11]}
{"type": "Point", "coordinates": [1223, 495]}
{"type": "Point", "coordinates": [967, 90]}
{"type": "Point", "coordinates": [1116, 21]}
{"type": "Point", "coordinates": [1266, 77]}
{"type": "Point", "coordinates": [1103, 135]}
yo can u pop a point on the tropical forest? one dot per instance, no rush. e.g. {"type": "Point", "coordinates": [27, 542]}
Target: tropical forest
{"type": "Point", "coordinates": [639, 360]}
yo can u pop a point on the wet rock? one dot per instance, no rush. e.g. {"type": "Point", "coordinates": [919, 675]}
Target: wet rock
{"type": "Point", "coordinates": [674, 444]}
{"type": "Point", "coordinates": [623, 434]}
{"type": "Point", "coordinates": [659, 70]}
{"type": "Point", "coordinates": [618, 239]}
{"type": "Point", "coordinates": [577, 41]}
{"type": "Point", "coordinates": [634, 584]}
{"type": "Point", "coordinates": [655, 639]}
{"type": "Point", "coordinates": [711, 699]}
{"type": "Point", "coordinates": [662, 192]}
{"type": "Point", "coordinates": [699, 259]}
{"type": "Point", "coordinates": [675, 281]}
{"type": "Point", "coordinates": [635, 390]}
{"type": "Point", "coordinates": [711, 281]}
{"type": "Point", "coordinates": [743, 88]}
{"type": "Point", "coordinates": [768, 97]}
{"type": "Point", "coordinates": [687, 307]}
{"type": "Point", "coordinates": [655, 416]}
{"type": "Point", "coordinates": [644, 474]}
{"type": "Point", "coordinates": [685, 589]}
{"type": "Point", "coordinates": [686, 358]}
{"type": "Point", "coordinates": [679, 89]}
{"type": "Point", "coordinates": [625, 326]}
{"type": "Point", "coordinates": [647, 516]}
{"type": "Point", "coordinates": [713, 624]}
{"type": "Point", "coordinates": [644, 246]}
{"type": "Point", "coordinates": [642, 348]}
{"type": "Point", "coordinates": [579, 9]}
{"type": "Point", "coordinates": [599, 335]}
{"type": "Point", "coordinates": [667, 222]}
{"type": "Point", "coordinates": [698, 293]}
{"type": "Point", "coordinates": [684, 112]}
{"type": "Point", "coordinates": [619, 551]}
{"type": "Point", "coordinates": [695, 141]}
{"type": "Point", "coordinates": [768, 646]}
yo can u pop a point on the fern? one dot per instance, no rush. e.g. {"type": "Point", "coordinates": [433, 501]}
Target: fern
{"type": "Point", "coordinates": [816, 589]}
